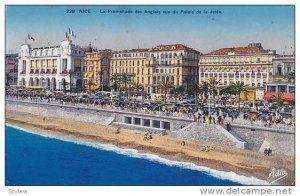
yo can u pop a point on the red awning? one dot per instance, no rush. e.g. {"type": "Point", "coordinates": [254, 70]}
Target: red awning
{"type": "Point", "coordinates": [283, 96]}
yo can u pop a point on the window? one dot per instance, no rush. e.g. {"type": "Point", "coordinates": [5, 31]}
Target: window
{"type": "Point", "coordinates": [291, 89]}
{"type": "Point", "coordinates": [282, 89]}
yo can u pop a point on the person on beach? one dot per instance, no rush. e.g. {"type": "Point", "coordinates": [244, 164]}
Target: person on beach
{"type": "Point", "coordinates": [182, 143]}
{"type": "Point", "coordinates": [118, 130]}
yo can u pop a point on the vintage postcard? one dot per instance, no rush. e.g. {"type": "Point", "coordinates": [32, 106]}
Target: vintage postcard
{"type": "Point", "coordinates": [150, 95]}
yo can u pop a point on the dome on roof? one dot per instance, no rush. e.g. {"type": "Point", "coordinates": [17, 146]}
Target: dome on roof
{"type": "Point", "coordinates": [89, 48]}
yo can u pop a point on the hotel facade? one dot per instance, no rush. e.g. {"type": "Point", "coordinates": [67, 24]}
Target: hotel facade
{"type": "Point", "coordinates": [251, 65]}
{"type": "Point", "coordinates": [176, 63]}
{"type": "Point", "coordinates": [97, 66]}
{"type": "Point", "coordinates": [49, 66]}
{"type": "Point", "coordinates": [283, 65]}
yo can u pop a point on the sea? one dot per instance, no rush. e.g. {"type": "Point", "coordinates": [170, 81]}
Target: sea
{"type": "Point", "coordinates": [45, 160]}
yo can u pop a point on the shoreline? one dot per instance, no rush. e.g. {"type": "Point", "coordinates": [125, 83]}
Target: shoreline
{"type": "Point", "coordinates": [241, 162]}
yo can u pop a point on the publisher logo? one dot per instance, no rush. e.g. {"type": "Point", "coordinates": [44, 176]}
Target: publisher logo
{"type": "Point", "coordinates": [276, 175]}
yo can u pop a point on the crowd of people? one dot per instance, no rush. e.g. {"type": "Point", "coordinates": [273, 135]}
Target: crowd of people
{"type": "Point", "coordinates": [226, 116]}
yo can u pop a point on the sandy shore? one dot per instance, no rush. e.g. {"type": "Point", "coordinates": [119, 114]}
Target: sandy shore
{"type": "Point", "coordinates": [242, 162]}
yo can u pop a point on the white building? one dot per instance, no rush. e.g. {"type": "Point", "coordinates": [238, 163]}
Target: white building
{"type": "Point", "coordinates": [251, 65]}
{"type": "Point", "coordinates": [48, 66]}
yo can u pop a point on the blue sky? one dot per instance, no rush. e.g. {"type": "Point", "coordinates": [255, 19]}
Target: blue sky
{"type": "Point", "coordinates": [273, 26]}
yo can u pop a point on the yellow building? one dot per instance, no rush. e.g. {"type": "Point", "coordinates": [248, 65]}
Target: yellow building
{"type": "Point", "coordinates": [176, 63]}
{"type": "Point", "coordinates": [251, 65]}
{"type": "Point", "coordinates": [136, 63]}
{"type": "Point", "coordinates": [254, 93]}
{"type": "Point", "coordinates": [97, 66]}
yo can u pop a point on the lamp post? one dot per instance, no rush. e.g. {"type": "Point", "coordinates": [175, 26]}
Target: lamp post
{"type": "Point", "coordinates": [208, 104]}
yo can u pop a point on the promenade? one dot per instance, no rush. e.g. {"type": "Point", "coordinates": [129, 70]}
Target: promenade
{"type": "Point", "coordinates": [237, 121]}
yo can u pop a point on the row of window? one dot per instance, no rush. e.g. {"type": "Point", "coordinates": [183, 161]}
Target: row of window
{"type": "Point", "coordinates": [235, 59]}
{"type": "Point", "coordinates": [129, 63]}
{"type": "Point", "coordinates": [129, 70]}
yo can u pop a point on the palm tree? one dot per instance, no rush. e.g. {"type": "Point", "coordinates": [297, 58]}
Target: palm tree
{"type": "Point", "coordinates": [204, 90]}
{"type": "Point", "coordinates": [236, 89]}
{"type": "Point", "coordinates": [166, 84]}
{"type": "Point", "coordinates": [213, 83]}
{"type": "Point", "coordinates": [125, 80]}
{"type": "Point", "coordinates": [70, 73]}
{"type": "Point", "coordinates": [226, 93]}
{"type": "Point", "coordinates": [178, 90]}
{"type": "Point", "coordinates": [138, 86]}
{"type": "Point", "coordinates": [65, 83]}
{"type": "Point", "coordinates": [115, 81]}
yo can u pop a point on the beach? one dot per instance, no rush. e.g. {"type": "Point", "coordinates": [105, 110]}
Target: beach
{"type": "Point", "coordinates": [242, 162]}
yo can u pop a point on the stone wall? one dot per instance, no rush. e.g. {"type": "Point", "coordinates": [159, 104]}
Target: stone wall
{"type": "Point", "coordinates": [279, 141]}
{"type": "Point", "coordinates": [66, 112]}
{"type": "Point", "coordinates": [210, 134]}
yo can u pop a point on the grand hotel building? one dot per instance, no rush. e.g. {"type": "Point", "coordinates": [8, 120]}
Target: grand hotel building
{"type": "Point", "coordinates": [97, 66]}
{"type": "Point", "coordinates": [176, 63]}
{"type": "Point", "coordinates": [48, 66]}
{"type": "Point", "coordinates": [251, 65]}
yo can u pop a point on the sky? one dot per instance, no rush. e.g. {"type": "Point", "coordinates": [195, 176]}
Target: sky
{"type": "Point", "coordinates": [228, 26]}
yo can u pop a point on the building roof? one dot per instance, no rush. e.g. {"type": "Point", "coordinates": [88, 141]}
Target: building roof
{"type": "Point", "coordinates": [133, 50]}
{"type": "Point", "coordinates": [168, 47]}
{"type": "Point", "coordinates": [172, 47]}
{"type": "Point", "coordinates": [238, 50]}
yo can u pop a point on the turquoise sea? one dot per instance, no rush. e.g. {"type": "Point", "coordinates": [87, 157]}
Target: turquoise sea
{"type": "Point", "coordinates": [33, 159]}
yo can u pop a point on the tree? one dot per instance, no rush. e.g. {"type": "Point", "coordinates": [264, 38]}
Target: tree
{"type": "Point", "coordinates": [70, 73]}
{"type": "Point", "coordinates": [236, 89]}
{"type": "Point", "coordinates": [124, 80]}
{"type": "Point", "coordinates": [166, 84]}
{"type": "Point", "coordinates": [226, 93]}
{"type": "Point", "coordinates": [213, 83]}
{"type": "Point", "coordinates": [204, 90]}
{"type": "Point", "coordinates": [178, 90]}
{"type": "Point", "coordinates": [138, 86]}
{"type": "Point", "coordinates": [115, 81]}
{"type": "Point", "coordinates": [65, 84]}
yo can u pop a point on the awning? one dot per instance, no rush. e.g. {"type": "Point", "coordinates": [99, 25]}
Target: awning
{"type": "Point", "coordinates": [92, 87]}
{"type": "Point", "coordinates": [35, 87]}
{"type": "Point", "coordinates": [283, 96]}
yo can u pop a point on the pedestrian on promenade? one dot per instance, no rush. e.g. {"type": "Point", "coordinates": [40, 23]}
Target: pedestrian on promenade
{"type": "Point", "coordinates": [228, 126]}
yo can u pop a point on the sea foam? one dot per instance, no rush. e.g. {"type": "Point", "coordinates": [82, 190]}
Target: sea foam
{"type": "Point", "coordinates": [245, 180]}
